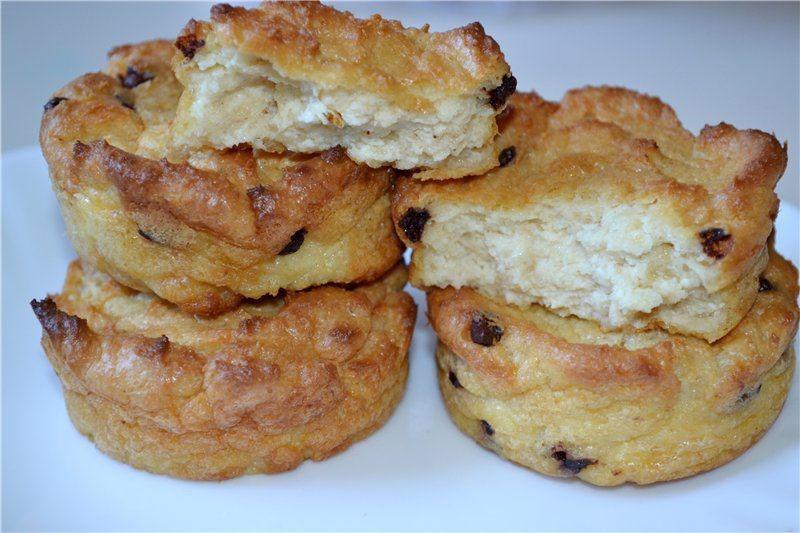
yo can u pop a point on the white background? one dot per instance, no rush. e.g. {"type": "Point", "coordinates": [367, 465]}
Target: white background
{"type": "Point", "coordinates": [712, 62]}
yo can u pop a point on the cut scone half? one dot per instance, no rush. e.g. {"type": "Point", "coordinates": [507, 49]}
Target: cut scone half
{"type": "Point", "coordinates": [305, 77]}
{"type": "Point", "coordinates": [563, 397]}
{"type": "Point", "coordinates": [607, 209]}
{"type": "Point", "coordinates": [205, 229]}
{"type": "Point", "coordinates": [258, 389]}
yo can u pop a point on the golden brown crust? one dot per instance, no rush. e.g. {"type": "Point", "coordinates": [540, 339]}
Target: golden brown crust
{"type": "Point", "coordinates": [644, 407]}
{"type": "Point", "coordinates": [312, 42]}
{"type": "Point", "coordinates": [619, 147]}
{"type": "Point", "coordinates": [214, 225]}
{"type": "Point", "coordinates": [246, 213]}
{"type": "Point", "coordinates": [134, 65]}
{"type": "Point", "coordinates": [258, 389]}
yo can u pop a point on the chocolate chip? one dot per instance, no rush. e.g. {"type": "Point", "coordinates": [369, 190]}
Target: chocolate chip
{"type": "Point", "coordinates": [507, 156]}
{"type": "Point", "coordinates": [54, 101]}
{"type": "Point", "coordinates": [484, 330]}
{"type": "Point", "coordinates": [124, 103]}
{"type": "Point", "coordinates": [295, 242]}
{"type": "Point", "coordinates": [152, 237]}
{"type": "Point", "coordinates": [499, 95]}
{"type": "Point", "coordinates": [133, 78]}
{"type": "Point", "coordinates": [764, 285]}
{"type": "Point", "coordinates": [748, 394]}
{"type": "Point", "coordinates": [716, 243]}
{"type": "Point", "coordinates": [413, 222]}
{"type": "Point", "coordinates": [568, 462]}
{"type": "Point", "coordinates": [487, 428]}
{"type": "Point", "coordinates": [189, 44]}
{"type": "Point", "coordinates": [454, 380]}
{"type": "Point", "coordinates": [146, 236]}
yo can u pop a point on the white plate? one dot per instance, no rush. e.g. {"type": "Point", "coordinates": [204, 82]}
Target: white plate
{"type": "Point", "coordinates": [418, 472]}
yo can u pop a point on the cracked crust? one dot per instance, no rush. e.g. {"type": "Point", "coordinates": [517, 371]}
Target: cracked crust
{"type": "Point", "coordinates": [312, 42]}
{"type": "Point", "coordinates": [303, 76]}
{"type": "Point", "coordinates": [260, 388]}
{"type": "Point", "coordinates": [565, 398]}
{"type": "Point", "coordinates": [612, 181]}
{"type": "Point", "coordinates": [203, 231]}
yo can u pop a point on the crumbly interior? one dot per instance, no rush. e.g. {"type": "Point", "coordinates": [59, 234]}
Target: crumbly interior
{"type": "Point", "coordinates": [605, 208]}
{"type": "Point", "coordinates": [609, 264]}
{"type": "Point", "coordinates": [339, 211]}
{"type": "Point", "coordinates": [232, 98]}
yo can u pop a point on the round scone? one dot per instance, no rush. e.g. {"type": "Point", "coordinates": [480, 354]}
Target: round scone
{"type": "Point", "coordinates": [204, 230]}
{"type": "Point", "coordinates": [604, 207]}
{"type": "Point", "coordinates": [260, 388]}
{"type": "Point", "coordinates": [564, 398]}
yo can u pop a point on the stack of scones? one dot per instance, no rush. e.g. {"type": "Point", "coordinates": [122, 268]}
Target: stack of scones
{"type": "Point", "coordinates": [608, 302]}
{"type": "Point", "coordinates": [238, 305]}
{"type": "Point", "coordinates": [602, 282]}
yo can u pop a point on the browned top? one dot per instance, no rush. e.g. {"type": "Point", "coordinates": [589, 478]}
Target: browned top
{"type": "Point", "coordinates": [109, 131]}
{"type": "Point", "coordinates": [279, 363]}
{"type": "Point", "coordinates": [538, 348]}
{"type": "Point", "coordinates": [616, 147]}
{"type": "Point", "coordinates": [309, 41]}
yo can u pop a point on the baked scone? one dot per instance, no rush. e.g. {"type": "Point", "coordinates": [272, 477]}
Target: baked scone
{"type": "Point", "coordinates": [205, 230]}
{"type": "Point", "coordinates": [562, 397]}
{"type": "Point", "coordinates": [604, 208]}
{"type": "Point", "coordinates": [305, 77]}
{"type": "Point", "coordinates": [260, 388]}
